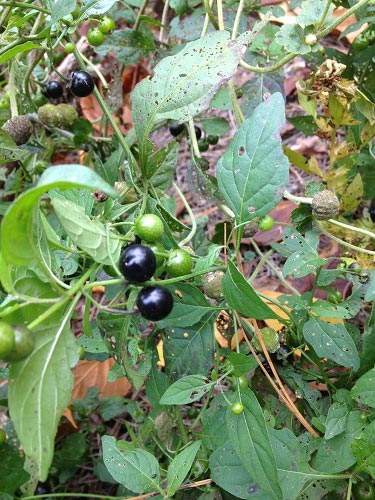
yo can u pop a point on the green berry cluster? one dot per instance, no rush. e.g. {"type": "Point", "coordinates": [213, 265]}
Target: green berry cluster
{"type": "Point", "coordinates": [17, 342]}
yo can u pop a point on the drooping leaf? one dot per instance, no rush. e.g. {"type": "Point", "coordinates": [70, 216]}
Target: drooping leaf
{"type": "Point", "coordinates": [91, 235]}
{"type": "Point", "coordinates": [240, 295]}
{"type": "Point", "coordinates": [183, 84]}
{"type": "Point", "coordinates": [249, 437]}
{"type": "Point", "coordinates": [137, 470]}
{"type": "Point", "coordinates": [180, 466]}
{"type": "Point", "coordinates": [331, 341]}
{"type": "Point", "coordinates": [17, 234]}
{"type": "Point", "coordinates": [40, 388]}
{"type": "Point", "coordinates": [186, 390]}
{"type": "Point", "coordinates": [253, 171]}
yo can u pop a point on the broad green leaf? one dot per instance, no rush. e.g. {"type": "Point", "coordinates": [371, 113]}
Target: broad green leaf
{"type": "Point", "coordinates": [214, 429]}
{"type": "Point", "coordinates": [364, 389]}
{"type": "Point", "coordinates": [183, 84]}
{"type": "Point", "coordinates": [292, 38]}
{"type": "Point", "coordinates": [241, 363]}
{"type": "Point", "coordinates": [137, 470]}
{"type": "Point", "coordinates": [186, 390]}
{"type": "Point", "coordinates": [364, 450]}
{"type": "Point", "coordinates": [367, 354]}
{"type": "Point", "coordinates": [331, 341]}
{"type": "Point", "coordinates": [311, 13]}
{"type": "Point", "coordinates": [249, 437]}
{"type": "Point", "coordinates": [229, 473]}
{"type": "Point", "coordinates": [336, 420]}
{"type": "Point", "coordinates": [129, 46]}
{"type": "Point", "coordinates": [61, 9]}
{"type": "Point", "coordinates": [40, 389]}
{"type": "Point", "coordinates": [253, 171]}
{"type": "Point", "coordinates": [9, 151]}
{"type": "Point", "coordinates": [180, 467]}
{"type": "Point", "coordinates": [190, 350]}
{"type": "Point", "coordinates": [95, 7]}
{"type": "Point", "coordinates": [156, 384]}
{"type": "Point", "coordinates": [335, 455]}
{"type": "Point", "coordinates": [325, 309]}
{"type": "Point", "coordinates": [256, 88]}
{"type": "Point", "coordinates": [293, 469]}
{"type": "Point", "coordinates": [214, 125]}
{"type": "Point", "coordinates": [16, 232]}
{"type": "Point", "coordinates": [91, 235]}
{"type": "Point", "coordinates": [190, 306]}
{"type": "Point", "coordinates": [242, 297]}
{"type": "Point", "coordinates": [12, 473]}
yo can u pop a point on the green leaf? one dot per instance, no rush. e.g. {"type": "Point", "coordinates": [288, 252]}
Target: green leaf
{"type": "Point", "coordinates": [156, 384]}
{"type": "Point", "coordinates": [40, 389]}
{"type": "Point", "coordinates": [253, 171]}
{"type": "Point", "coordinates": [249, 437]}
{"type": "Point", "coordinates": [91, 235]}
{"type": "Point", "coordinates": [8, 149]}
{"type": "Point", "coordinates": [183, 84]}
{"type": "Point", "coordinates": [129, 46]}
{"type": "Point", "coordinates": [137, 470]}
{"type": "Point", "coordinates": [22, 47]}
{"type": "Point", "coordinates": [214, 125]}
{"type": "Point", "coordinates": [95, 7]}
{"type": "Point", "coordinates": [364, 389]}
{"type": "Point", "coordinates": [186, 390]}
{"type": "Point", "coordinates": [336, 420]}
{"type": "Point", "coordinates": [16, 239]}
{"type": "Point", "coordinates": [180, 467]}
{"type": "Point", "coordinates": [190, 306]}
{"type": "Point", "coordinates": [61, 9]}
{"type": "Point", "coordinates": [214, 430]}
{"type": "Point", "coordinates": [190, 350]}
{"type": "Point", "coordinates": [228, 472]}
{"type": "Point", "coordinates": [12, 473]}
{"type": "Point", "coordinates": [364, 450]}
{"type": "Point", "coordinates": [331, 341]}
{"type": "Point", "coordinates": [256, 88]}
{"type": "Point", "coordinates": [242, 297]}
{"type": "Point", "coordinates": [241, 363]}
{"type": "Point", "coordinates": [335, 455]}
{"type": "Point", "coordinates": [304, 259]}
{"type": "Point", "coordinates": [312, 12]}
{"type": "Point", "coordinates": [292, 38]}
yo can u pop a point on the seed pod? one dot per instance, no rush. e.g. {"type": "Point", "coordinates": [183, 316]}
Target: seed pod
{"type": "Point", "coordinates": [325, 205]}
{"type": "Point", "coordinates": [270, 338]}
{"type": "Point", "coordinates": [19, 128]}
{"type": "Point", "coordinates": [68, 115]}
{"type": "Point", "coordinates": [49, 115]}
{"type": "Point", "coordinates": [212, 284]}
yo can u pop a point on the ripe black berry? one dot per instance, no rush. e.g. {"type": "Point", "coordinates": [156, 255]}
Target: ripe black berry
{"type": "Point", "coordinates": [137, 263]}
{"type": "Point", "coordinates": [81, 84]}
{"type": "Point", "coordinates": [198, 132]}
{"type": "Point", "coordinates": [154, 302]}
{"type": "Point", "coordinates": [53, 90]}
{"type": "Point", "coordinates": [176, 128]}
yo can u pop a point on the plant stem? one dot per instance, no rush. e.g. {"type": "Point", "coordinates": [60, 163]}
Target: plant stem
{"type": "Point", "coordinates": [324, 15]}
{"type": "Point", "coordinates": [344, 243]}
{"type": "Point", "coordinates": [261, 263]}
{"type": "Point", "coordinates": [274, 269]}
{"type": "Point", "coordinates": [355, 229]}
{"type": "Point", "coordinates": [95, 69]}
{"type": "Point", "coordinates": [12, 89]}
{"type": "Point", "coordinates": [210, 14]}
{"type": "Point", "coordinates": [24, 5]}
{"type": "Point", "coordinates": [220, 14]}
{"type": "Point", "coordinates": [237, 19]}
{"type": "Point", "coordinates": [140, 13]}
{"type": "Point", "coordinates": [181, 425]}
{"type": "Point", "coordinates": [73, 495]}
{"type": "Point", "coordinates": [297, 199]}
{"type": "Point", "coordinates": [193, 139]}
{"type": "Point", "coordinates": [164, 19]}
{"type": "Point", "coordinates": [207, 19]}
{"type": "Point", "coordinates": [191, 215]}
{"type": "Point", "coordinates": [342, 18]}
{"type": "Point", "coordinates": [238, 115]}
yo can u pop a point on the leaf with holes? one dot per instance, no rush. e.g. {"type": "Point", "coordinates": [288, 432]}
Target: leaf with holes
{"type": "Point", "coordinates": [186, 390]}
{"type": "Point", "coordinates": [253, 171]}
{"type": "Point", "coordinates": [184, 84]}
{"type": "Point", "coordinates": [137, 470]}
{"type": "Point", "coordinates": [331, 341]}
{"type": "Point", "coordinates": [363, 390]}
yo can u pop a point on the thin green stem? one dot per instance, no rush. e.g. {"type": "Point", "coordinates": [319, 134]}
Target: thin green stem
{"type": "Point", "coordinates": [73, 495]}
{"type": "Point", "coordinates": [164, 20]}
{"type": "Point", "coordinates": [297, 199]}
{"type": "Point", "coordinates": [115, 281]}
{"type": "Point", "coordinates": [63, 301]}
{"type": "Point", "coordinates": [181, 425]}
{"type": "Point", "coordinates": [37, 23]}
{"type": "Point", "coordinates": [268, 69]}
{"type": "Point", "coordinates": [342, 18]}
{"type": "Point", "coordinates": [274, 269]}
{"type": "Point", "coordinates": [210, 13]}
{"type": "Point", "coordinates": [193, 139]}
{"type": "Point", "coordinates": [30, 71]}
{"type": "Point", "coordinates": [207, 19]}
{"type": "Point", "coordinates": [12, 89]}
{"type": "Point", "coordinates": [324, 15]}
{"type": "Point", "coordinates": [191, 215]}
{"type": "Point", "coordinates": [24, 5]}
{"type": "Point", "coordinates": [220, 14]}
{"type": "Point", "coordinates": [238, 115]}
{"type": "Point", "coordinates": [96, 70]}
{"type": "Point", "coordinates": [261, 263]}
{"type": "Point", "coordinates": [184, 278]}
{"type": "Point", "coordinates": [4, 15]}
{"type": "Point", "coordinates": [344, 243]}
{"type": "Point", "coordinates": [237, 19]}
{"type": "Point", "coordinates": [355, 229]}
{"type": "Point", "coordinates": [140, 13]}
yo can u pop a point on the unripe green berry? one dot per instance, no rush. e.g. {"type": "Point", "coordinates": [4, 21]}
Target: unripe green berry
{"type": "Point", "coordinates": [19, 129]}
{"type": "Point", "coordinates": [270, 338]}
{"type": "Point", "coordinates": [68, 115]}
{"type": "Point", "coordinates": [212, 284]}
{"type": "Point", "coordinates": [49, 115]}
{"type": "Point", "coordinates": [325, 205]}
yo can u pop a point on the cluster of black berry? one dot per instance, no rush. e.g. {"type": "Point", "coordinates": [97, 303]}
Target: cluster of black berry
{"type": "Point", "coordinates": [80, 84]}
